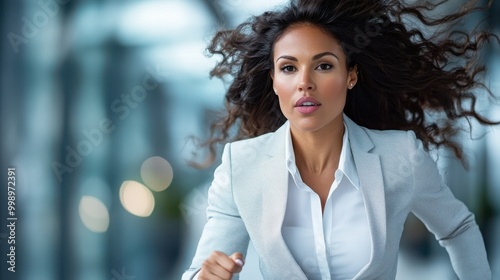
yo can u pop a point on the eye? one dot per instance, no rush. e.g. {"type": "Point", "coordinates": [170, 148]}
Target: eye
{"type": "Point", "coordinates": [288, 68]}
{"type": "Point", "coordinates": [324, 67]}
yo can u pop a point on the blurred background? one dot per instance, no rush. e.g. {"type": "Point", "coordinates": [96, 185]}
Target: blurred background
{"type": "Point", "coordinates": [99, 99]}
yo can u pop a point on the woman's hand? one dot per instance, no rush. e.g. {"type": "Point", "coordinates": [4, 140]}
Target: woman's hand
{"type": "Point", "coordinates": [221, 266]}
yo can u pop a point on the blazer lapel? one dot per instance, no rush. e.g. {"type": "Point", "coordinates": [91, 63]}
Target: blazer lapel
{"type": "Point", "coordinates": [372, 188]}
{"type": "Point", "coordinates": [266, 210]}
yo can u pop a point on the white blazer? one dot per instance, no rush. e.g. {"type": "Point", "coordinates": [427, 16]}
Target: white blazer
{"type": "Point", "coordinates": [247, 200]}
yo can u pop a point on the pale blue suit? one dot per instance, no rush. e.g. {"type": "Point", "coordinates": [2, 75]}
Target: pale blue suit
{"type": "Point", "coordinates": [247, 200]}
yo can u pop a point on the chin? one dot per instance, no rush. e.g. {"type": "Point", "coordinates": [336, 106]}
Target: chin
{"type": "Point", "coordinates": [307, 125]}
{"type": "Point", "coordinates": [315, 123]}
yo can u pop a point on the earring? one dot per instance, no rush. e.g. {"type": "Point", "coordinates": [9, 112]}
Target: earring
{"type": "Point", "coordinates": [351, 86]}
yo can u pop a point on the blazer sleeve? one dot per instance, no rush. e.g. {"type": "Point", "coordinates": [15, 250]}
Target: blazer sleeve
{"type": "Point", "coordinates": [453, 225]}
{"type": "Point", "coordinates": [224, 230]}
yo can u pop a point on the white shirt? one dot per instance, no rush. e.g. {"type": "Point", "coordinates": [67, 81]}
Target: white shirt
{"type": "Point", "coordinates": [335, 244]}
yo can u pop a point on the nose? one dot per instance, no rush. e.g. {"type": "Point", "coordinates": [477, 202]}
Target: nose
{"type": "Point", "coordinates": [306, 83]}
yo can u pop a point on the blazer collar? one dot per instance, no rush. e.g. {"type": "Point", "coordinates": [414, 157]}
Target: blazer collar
{"type": "Point", "coordinates": [358, 138]}
{"type": "Point", "coordinates": [276, 145]}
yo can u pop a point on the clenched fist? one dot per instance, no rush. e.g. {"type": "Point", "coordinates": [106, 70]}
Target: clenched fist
{"type": "Point", "coordinates": [220, 266]}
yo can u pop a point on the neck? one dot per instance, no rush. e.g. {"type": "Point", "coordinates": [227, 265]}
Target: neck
{"type": "Point", "coordinates": [318, 151]}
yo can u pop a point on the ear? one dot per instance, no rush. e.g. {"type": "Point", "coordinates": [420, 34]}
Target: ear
{"type": "Point", "coordinates": [352, 77]}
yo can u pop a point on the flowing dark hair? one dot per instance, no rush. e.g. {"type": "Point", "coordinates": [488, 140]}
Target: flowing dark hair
{"type": "Point", "coordinates": [404, 76]}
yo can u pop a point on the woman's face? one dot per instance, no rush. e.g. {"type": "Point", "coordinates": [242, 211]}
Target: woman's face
{"type": "Point", "coordinates": [310, 78]}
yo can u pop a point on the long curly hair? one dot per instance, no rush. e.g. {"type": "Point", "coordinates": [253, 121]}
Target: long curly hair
{"type": "Point", "coordinates": [415, 71]}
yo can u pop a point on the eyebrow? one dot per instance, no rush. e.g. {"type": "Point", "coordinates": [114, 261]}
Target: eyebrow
{"type": "Point", "coordinates": [316, 57]}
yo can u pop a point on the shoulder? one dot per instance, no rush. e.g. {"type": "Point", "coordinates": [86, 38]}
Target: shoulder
{"type": "Point", "coordinates": [270, 144]}
{"type": "Point", "coordinates": [379, 141]}
{"type": "Point", "coordinates": [402, 155]}
{"type": "Point", "coordinates": [392, 141]}
{"type": "Point", "coordinates": [245, 151]}
{"type": "Point", "coordinates": [391, 138]}
{"type": "Point", "coordinates": [385, 135]}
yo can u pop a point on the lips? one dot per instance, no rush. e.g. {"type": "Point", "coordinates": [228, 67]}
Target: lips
{"type": "Point", "coordinates": [307, 105]}
{"type": "Point", "coordinates": [307, 101]}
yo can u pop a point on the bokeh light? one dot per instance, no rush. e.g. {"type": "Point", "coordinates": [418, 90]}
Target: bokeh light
{"type": "Point", "coordinates": [157, 173]}
{"type": "Point", "coordinates": [96, 186]}
{"type": "Point", "coordinates": [94, 214]}
{"type": "Point", "coordinates": [137, 198]}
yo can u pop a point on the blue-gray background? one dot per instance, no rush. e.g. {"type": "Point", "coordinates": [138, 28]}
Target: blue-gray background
{"type": "Point", "coordinates": [133, 76]}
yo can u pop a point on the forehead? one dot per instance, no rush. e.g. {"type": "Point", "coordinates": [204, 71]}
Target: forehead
{"type": "Point", "coordinates": [306, 39]}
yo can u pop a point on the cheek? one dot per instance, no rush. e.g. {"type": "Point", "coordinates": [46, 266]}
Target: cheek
{"type": "Point", "coordinates": [283, 89]}
{"type": "Point", "coordinates": [279, 83]}
{"type": "Point", "coordinates": [336, 83]}
{"type": "Point", "coordinates": [334, 88]}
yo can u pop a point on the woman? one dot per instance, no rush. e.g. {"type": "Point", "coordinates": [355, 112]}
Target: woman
{"type": "Point", "coordinates": [340, 101]}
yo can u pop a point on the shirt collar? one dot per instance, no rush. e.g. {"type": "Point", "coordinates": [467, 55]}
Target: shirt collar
{"type": "Point", "coordinates": [346, 161]}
